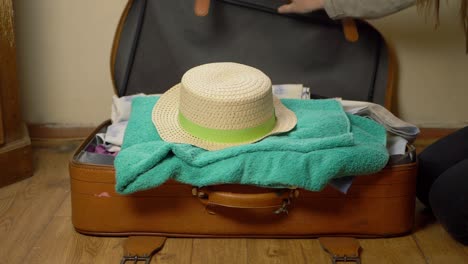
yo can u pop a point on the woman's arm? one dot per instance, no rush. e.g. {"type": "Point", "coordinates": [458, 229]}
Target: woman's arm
{"type": "Point", "coordinates": [338, 9]}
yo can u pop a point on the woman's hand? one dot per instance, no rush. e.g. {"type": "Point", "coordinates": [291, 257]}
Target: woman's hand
{"type": "Point", "coordinates": [301, 6]}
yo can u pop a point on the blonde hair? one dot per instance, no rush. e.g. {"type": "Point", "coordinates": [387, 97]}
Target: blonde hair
{"type": "Point", "coordinates": [434, 6]}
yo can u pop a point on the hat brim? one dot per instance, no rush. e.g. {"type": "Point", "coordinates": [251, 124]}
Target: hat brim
{"type": "Point", "coordinates": [165, 118]}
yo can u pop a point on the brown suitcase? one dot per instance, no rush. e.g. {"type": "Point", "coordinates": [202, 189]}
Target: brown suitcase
{"type": "Point", "coordinates": [376, 205]}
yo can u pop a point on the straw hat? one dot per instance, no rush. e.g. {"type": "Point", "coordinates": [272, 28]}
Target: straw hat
{"type": "Point", "coordinates": [219, 105]}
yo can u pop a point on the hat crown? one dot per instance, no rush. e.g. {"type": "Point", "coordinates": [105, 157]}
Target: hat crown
{"type": "Point", "coordinates": [226, 82]}
{"type": "Point", "coordinates": [226, 96]}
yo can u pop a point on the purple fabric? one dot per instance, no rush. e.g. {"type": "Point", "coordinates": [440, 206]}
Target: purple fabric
{"type": "Point", "coordinates": [100, 149]}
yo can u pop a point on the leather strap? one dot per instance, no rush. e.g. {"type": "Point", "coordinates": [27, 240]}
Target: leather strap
{"type": "Point", "coordinates": [202, 7]}
{"type": "Point", "coordinates": [141, 248]}
{"type": "Point", "coordinates": [350, 30]}
{"type": "Point", "coordinates": [343, 249]}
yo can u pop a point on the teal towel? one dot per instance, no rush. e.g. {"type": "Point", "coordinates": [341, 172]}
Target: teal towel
{"type": "Point", "coordinates": [326, 143]}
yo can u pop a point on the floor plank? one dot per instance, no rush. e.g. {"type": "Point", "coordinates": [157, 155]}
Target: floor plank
{"type": "Point", "coordinates": [439, 247]}
{"type": "Point", "coordinates": [207, 251]}
{"type": "Point", "coordinates": [300, 251]}
{"type": "Point", "coordinates": [175, 251]}
{"type": "Point", "coordinates": [60, 243]}
{"type": "Point", "coordinates": [391, 250]}
{"type": "Point", "coordinates": [34, 203]}
{"type": "Point", "coordinates": [9, 193]}
{"type": "Point", "coordinates": [436, 244]}
{"type": "Point", "coordinates": [65, 207]}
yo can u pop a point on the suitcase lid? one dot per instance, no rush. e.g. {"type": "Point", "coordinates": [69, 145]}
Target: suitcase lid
{"type": "Point", "coordinates": [158, 41]}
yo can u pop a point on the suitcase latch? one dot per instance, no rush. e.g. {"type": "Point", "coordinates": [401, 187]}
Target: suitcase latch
{"type": "Point", "coordinates": [284, 207]}
{"type": "Point", "coordinates": [336, 259]}
{"type": "Point", "coordinates": [341, 249]}
{"type": "Point", "coordinates": [141, 248]}
{"type": "Point", "coordinates": [135, 259]}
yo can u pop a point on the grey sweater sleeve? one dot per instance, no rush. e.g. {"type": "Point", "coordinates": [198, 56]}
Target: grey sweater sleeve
{"type": "Point", "coordinates": [367, 9]}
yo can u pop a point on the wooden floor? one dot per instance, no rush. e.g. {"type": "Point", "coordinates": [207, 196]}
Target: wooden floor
{"type": "Point", "coordinates": [35, 227]}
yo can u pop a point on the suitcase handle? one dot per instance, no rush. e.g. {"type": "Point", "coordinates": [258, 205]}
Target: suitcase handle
{"type": "Point", "coordinates": [279, 199]}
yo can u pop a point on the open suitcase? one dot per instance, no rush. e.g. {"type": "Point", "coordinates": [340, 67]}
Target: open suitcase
{"type": "Point", "coordinates": [157, 41]}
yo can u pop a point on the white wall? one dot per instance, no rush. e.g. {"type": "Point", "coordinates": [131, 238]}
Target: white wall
{"type": "Point", "coordinates": [63, 54]}
{"type": "Point", "coordinates": [64, 48]}
{"type": "Point", "coordinates": [433, 66]}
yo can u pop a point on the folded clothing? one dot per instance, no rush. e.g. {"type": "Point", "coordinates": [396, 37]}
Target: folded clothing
{"type": "Point", "coordinates": [290, 91]}
{"type": "Point", "coordinates": [327, 143]}
{"type": "Point", "coordinates": [380, 114]}
{"type": "Point", "coordinates": [113, 137]}
{"type": "Point", "coordinates": [100, 149]}
{"type": "Point", "coordinates": [121, 107]}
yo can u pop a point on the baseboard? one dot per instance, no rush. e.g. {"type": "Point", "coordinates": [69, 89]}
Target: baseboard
{"type": "Point", "coordinates": [43, 131]}
{"type": "Point", "coordinates": [435, 133]}
{"type": "Point", "coordinates": [430, 135]}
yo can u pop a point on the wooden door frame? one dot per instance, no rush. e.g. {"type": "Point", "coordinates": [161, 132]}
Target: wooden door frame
{"type": "Point", "coordinates": [10, 111]}
{"type": "Point", "coordinates": [15, 146]}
